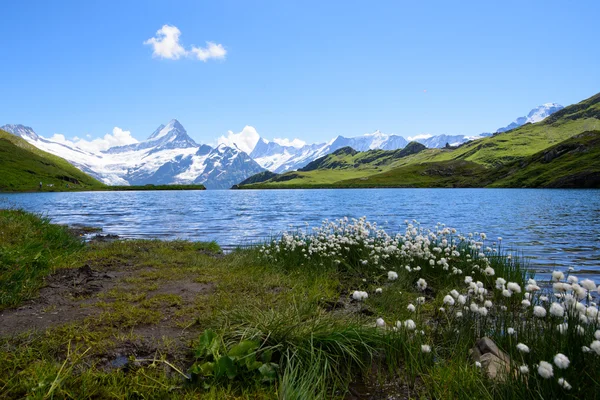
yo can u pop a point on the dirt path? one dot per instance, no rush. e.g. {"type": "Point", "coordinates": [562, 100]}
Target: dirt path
{"type": "Point", "coordinates": [70, 296]}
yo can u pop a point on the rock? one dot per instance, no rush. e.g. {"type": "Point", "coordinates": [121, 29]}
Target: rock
{"type": "Point", "coordinates": [494, 362]}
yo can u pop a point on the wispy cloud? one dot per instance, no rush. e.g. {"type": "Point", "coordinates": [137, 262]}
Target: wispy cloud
{"type": "Point", "coordinates": [417, 137]}
{"type": "Point", "coordinates": [287, 142]}
{"type": "Point", "coordinates": [165, 44]}
{"type": "Point", "coordinates": [119, 137]}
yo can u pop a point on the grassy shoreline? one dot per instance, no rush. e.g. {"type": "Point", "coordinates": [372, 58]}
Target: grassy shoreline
{"type": "Point", "coordinates": [288, 320]}
{"type": "Point", "coordinates": [109, 189]}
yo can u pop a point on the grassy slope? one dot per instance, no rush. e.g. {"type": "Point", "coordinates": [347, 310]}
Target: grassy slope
{"type": "Point", "coordinates": [23, 166]}
{"type": "Point", "coordinates": [489, 161]}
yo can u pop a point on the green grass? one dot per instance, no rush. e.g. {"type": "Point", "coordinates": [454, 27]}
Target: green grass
{"type": "Point", "coordinates": [30, 249]}
{"type": "Point", "coordinates": [23, 167]}
{"type": "Point", "coordinates": [277, 306]}
{"type": "Point", "coordinates": [510, 159]}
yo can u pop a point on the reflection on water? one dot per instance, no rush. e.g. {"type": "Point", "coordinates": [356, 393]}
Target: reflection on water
{"type": "Point", "coordinates": [556, 228]}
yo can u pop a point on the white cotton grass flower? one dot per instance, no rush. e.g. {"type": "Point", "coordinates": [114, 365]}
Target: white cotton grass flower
{"type": "Point", "coordinates": [489, 271]}
{"type": "Point", "coordinates": [410, 325]}
{"type": "Point", "coordinates": [461, 299]}
{"type": "Point", "coordinates": [477, 364]}
{"type": "Point", "coordinates": [468, 279]}
{"type": "Point", "coordinates": [379, 290]}
{"type": "Point", "coordinates": [557, 276]}
{"type": "Point", "coordinates": [425, 348]}
{"type": "Point", "coordinates": [585, 349]}
{"type": "Point", "coordinates": [506, 293]}
{"type": "Point", "coordinates": [545, 370]}
{"type": "Point", "coordinates": [500, 282]}
{"type": "Point", "coordinates": [557, 310]}
{"type": "Point", "coordinates": [525, 303]}
{"type": "Point", "coordinates": [392, 276]}
{"type": "Point", "coordinates": [487, 304]}
{"type": "Point", "coordinates": [420, 300]}
{"type": "Point", "coordinates": [411, 308]}
{"type": "Point", "coordinates": [449, 300]}
{"type": "Point", "coordinates": [459, 314]}
{"type": "Point", "coordinates": [523, 348]}
{"type": "Point", "coordinates": [421, 284]}
{"type": "Point", "coordinates": [562, 382]}
{"type": "Point", "coordinates": [561, 361]}
{"type": "Point", "coordinates": [359, 295]}
{"type": "Point", "coordinates": [483, 311]}
{"type": "Point", "coordinates": [454, 293]}
{"type": "Point", "coordinates": [513, 287]}
{"type": "Point", "coordinates": [524, 369]}
{"type": "Point", "coordinates": [511, 331]}
{"type": "Point", "coordinates": [588, 284]}
{"type": "Point", "coordinates": [595, 346]}
{"type": "Point", "coordinates": [539, 312]}
{"type": "Point", "coordinates": [597, 334]}
{"type": "Point", "coordinates": [380, 323]}
{"type": "Point", "coordinates": [572, 279]}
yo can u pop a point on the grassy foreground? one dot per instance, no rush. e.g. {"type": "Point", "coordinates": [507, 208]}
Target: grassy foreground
{"type": "Point", "coordinates": [344, 311]}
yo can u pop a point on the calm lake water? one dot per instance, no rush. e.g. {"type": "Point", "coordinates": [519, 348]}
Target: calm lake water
{"type": "Point", "coordinates": [555, 228]}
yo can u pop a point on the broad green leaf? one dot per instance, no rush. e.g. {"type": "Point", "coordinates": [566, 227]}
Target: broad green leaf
{"type": "Point", "coordinates": [253, 365]}
{"type": "Point", "coordinates": [224, 366]}
{"type": "Point", "coordinates": [243, 348]}
{"type": "Point", "coordinates": [268, 371]}
{"type": "Point", "coordinates": [207, 368]}
{"type": "Point", "coordinates": [266, 356]}
{"type": "Point", "coordinates": [208, 345]}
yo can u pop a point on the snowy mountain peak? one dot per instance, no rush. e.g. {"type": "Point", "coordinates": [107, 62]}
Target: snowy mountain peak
{"type": "Point", "coordinates": [173, 128]}
{"type": "Point", "coordinates": [23, 131]}
{"type": "Point", "coordinates": [543, 111]}
{"type": "Point", "coordinates": [536, 115]}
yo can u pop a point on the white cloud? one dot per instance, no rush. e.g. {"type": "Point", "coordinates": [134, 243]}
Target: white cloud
{"type": "Point", "coordinates": [418, 137]}
{"type": "Point", "coordinates": [287, 142]}
{"type": "Point", "coordinates": [166, 45]}
{"type": "Point", "coordinates": [212, 50]}
{"type": "Point", "coordinates": [119, 137]}
{"type": "Point", "coordinates": [245, 140]}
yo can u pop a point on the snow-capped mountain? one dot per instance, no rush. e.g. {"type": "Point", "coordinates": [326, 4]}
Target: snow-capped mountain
{"type": "Point", "coordinates": [169, 155]}
{"type": "Point", "coordinates": [277, 158]}
{"type": "Point", "coordinates": [536, 115]}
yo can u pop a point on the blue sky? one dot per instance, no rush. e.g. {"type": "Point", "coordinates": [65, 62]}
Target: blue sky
{"type": "Point", "coordinates": [290, 69]}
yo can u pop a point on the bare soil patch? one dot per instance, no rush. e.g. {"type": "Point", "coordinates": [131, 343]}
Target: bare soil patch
{"type": "Point", "coordinates": [70, 294]}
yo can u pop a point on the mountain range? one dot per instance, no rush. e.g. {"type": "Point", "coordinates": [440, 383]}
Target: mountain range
{"type": "Point", "coordinates": [171, 156]}
{"type": "Point", "coordinates": [168, 156]}
{"type": "Point", "coordinates": [561, 149]}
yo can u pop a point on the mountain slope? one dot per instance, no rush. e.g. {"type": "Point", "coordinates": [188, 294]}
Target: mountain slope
{"type": "Point", "coordinates": [511, 158]}
{"type": "Point", "coordinates": [168, 156]}
{"type": "Point", "coordinates": [531, 138]}
{"type": "Point", "coordinates": [23, 167]}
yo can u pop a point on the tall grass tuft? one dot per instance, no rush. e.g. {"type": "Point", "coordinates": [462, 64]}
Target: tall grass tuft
{"type": "Point", "coordinates": [30, 248]}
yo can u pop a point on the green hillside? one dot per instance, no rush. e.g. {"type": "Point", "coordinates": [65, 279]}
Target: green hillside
{"type": "Point", "coordinates": [522, 157]}
{"type": "Point", "coordinates": [23, 166]}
